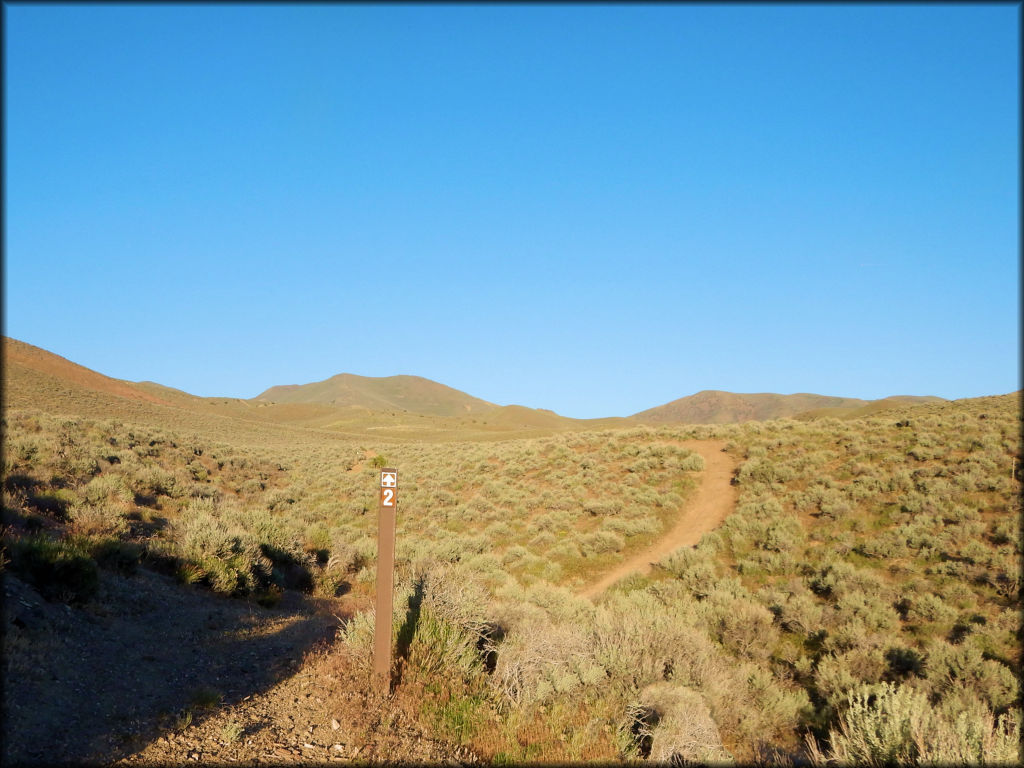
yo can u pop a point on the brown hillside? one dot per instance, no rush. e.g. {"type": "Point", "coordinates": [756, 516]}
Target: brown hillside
{"type": "Point", "coordinates": [21, 356]}
{"type": "Point", "coordinates": [35, 378]}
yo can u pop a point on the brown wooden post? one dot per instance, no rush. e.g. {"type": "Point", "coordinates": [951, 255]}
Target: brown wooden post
{"type": "Point", "coordinates": [385, 576]}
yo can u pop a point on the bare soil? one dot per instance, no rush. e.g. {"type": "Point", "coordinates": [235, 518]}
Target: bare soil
{"type": "Point", "coordinates": [712, 502]}
{"type": "Point", "coordinates": [97, 682]}
{"type": "Point", "coordinates": [151, 672]}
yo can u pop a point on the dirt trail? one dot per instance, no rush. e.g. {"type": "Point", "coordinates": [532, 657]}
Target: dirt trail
{"type": "Point", "coordinates": [705, 510]}
{"type": "Point", "coordinates": [358, 466]}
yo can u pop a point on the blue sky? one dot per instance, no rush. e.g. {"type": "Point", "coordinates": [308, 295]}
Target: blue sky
{"type": "Point", "coordinates": [593, 209]}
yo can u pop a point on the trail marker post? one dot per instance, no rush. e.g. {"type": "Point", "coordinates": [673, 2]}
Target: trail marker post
{"type": "Point", "coordinates": [385, 575]}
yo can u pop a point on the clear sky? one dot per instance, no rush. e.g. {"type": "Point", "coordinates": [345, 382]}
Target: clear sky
{"type": "Point", "coordinates": [593, 209]}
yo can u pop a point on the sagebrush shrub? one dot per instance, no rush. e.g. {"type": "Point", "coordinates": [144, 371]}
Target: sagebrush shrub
{"type": "Point", "coordinates": [890, 724]}
{"type": "Point", "coordinates": [679, 724]}
{"type": "Point", "coordinates": [745, 627]}
{"type": "Point", "coordinates": [229, 559]}
{"type": "Point", "coordinates": [952, 668]}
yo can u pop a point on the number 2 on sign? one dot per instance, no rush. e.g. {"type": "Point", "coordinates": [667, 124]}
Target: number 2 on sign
{"type": "Point", "coordinates": [387, 497]}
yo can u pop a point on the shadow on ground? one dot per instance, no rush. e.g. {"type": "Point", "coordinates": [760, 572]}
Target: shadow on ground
{"type": "Point", "coordinates": [98, 683]}
{"type": "Point", "coordinates": [406, 632]}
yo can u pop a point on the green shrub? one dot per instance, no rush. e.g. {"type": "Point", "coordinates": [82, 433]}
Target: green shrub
{"type": "Point", "coordinates": [764, 471]}
{"type": "Point", "coordinates": [230, 561]}
{"type": "Point", "coordinates": [107, 520]}
{"type": "Point", "coordinates": [440, 622]}
{"type": "Point", "coordinates": [153, 481]}
{"type": "Point", "coordinates": [440, 646]}
{"type": "Point", "coordinates": [964, 667]}
{"type": "Point", "coordinates": [929, 608]}
{"type": "Point", "coordinates": [744, 627]}
{"type": "Point", "coordinates": [599, 542]}
{"type": "Point", "coordinates": [799, 613]}
{"type": "Point", "coordinates": [834, 680]}
{"type": "Point", "coordinates": [782, 535]}
{"type": "Point", "coordinates": [836, 577]}
{"type": "Point", "coordinates": [107, 487]}
{"type": "Point", "coordinates": [695, 568]}
{"type": "Point", "coordinates": [61, 570]}
{"type": "Point", "coordinates": [356, 636]}
{"type": "Point", "coordinates": [869, 608]}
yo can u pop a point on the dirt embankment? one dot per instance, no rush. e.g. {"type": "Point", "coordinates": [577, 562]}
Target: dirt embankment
{"type": "Point", "coordinates": [705, 510]}
{"type": "Point", "coordinates": [96, 683]}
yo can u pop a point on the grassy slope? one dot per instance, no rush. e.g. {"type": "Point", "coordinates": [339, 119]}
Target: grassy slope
{"type": "Point", "coordinates": [870, 409]}
{"type": "Point", "coordinates": [715, 407]}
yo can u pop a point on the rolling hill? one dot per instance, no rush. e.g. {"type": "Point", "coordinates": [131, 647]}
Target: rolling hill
{"type": "Point", "coordinates": [717, 407]}
{"type": "Point", "coordinates": [402, 407]}
{"type": "Point", "coordinates": [403, 393]}
{"type": "Point", "coordinates": [23, 360]}
{"type": "Point", "coordinates": [398, 408]}
{"type": "Point", "coordinates": [541, 418]}
{"type": "Point", "coordinates": [870, 408]}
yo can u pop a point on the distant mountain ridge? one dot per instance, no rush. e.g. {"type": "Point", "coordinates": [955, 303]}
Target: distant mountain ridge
{"type": "Point", "coordinates": [346, 397]}
{"type": "Point", "coordinates": [717, 407]}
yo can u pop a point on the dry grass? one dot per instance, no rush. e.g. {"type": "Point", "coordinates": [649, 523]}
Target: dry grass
{"type": "Point", "coordinates": [863, 552]}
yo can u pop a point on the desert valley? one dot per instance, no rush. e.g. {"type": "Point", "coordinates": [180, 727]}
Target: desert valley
{"type": "Point", "coordinates": [780, 579]}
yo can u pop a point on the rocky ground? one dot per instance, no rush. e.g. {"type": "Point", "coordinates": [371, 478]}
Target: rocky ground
{"type": "Point", "coordinates": [153, 672]}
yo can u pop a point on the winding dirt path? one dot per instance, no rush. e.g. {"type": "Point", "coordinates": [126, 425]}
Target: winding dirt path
{"type": "Point", "coordinates": [712, 502]}
{"type": "Point", "coordinates": [358, 466]}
